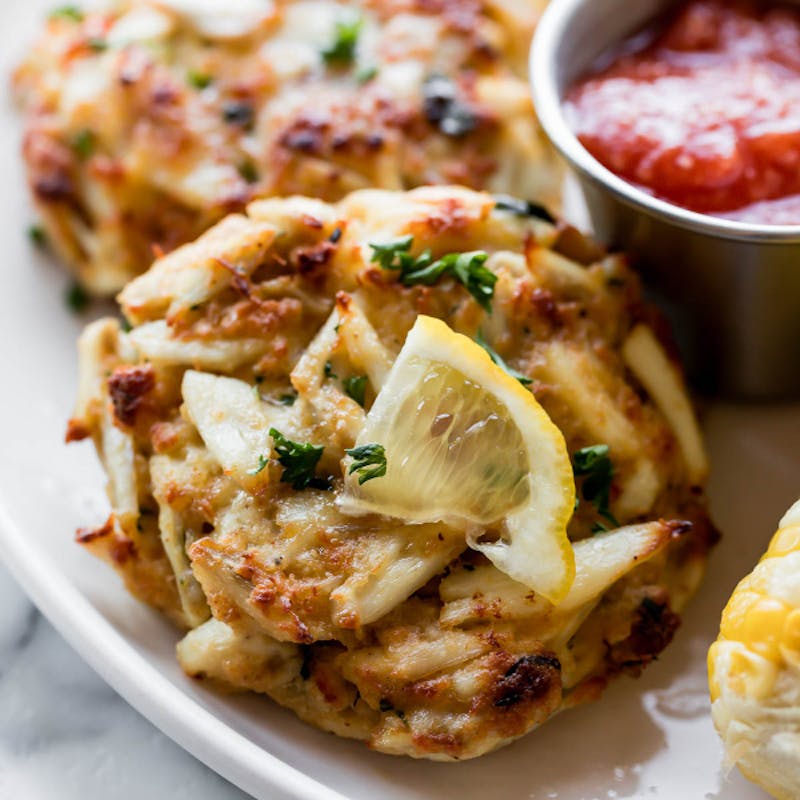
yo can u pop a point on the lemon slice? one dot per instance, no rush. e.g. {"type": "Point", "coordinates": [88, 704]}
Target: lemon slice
{"type": "Point", "coordinates": [467, 444]}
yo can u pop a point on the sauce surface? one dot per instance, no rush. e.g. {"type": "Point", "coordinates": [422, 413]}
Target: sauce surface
{"type": "Point", "coordinates": [703, 111]}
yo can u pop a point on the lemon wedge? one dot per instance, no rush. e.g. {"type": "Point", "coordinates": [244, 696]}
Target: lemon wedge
{"type": "Point", "coordinates": [466, 444]}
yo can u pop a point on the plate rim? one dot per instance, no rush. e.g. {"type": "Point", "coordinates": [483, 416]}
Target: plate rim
{"type": "Point", "coordinates": [197, 730]}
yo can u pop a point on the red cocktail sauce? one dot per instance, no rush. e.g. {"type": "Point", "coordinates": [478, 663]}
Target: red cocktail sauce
{"type": "Point", "coordinates": [703, 111]}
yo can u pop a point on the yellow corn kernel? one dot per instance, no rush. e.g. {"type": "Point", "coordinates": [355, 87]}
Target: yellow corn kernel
{"type": "Point", "coordinates": [750, 675]}
{"type": "Point", "coordinates": [734, 668]}
{"type": "Point", "coordinates": [713, 659]}
{"type": "Point", "coordinates": [785, 541]}
{"type": "Point", "coordinates": [756, 621]}
{"type": "Point", "coordinates": [790, 641]}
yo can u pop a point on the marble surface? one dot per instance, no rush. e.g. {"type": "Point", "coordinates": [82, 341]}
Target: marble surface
{"type": "Point", "coordinates": [65, 735]}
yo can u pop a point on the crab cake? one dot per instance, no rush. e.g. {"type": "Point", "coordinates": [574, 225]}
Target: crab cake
{"type": "Point", "coordinates": [149, 122]}
{"type": "Point", "coordinates": [342, 440]}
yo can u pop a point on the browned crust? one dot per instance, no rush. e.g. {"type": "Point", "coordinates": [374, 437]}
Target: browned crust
{"type": "Point", "coordinates": [128, 388]}
{"type": "Point", "coordinates": [651, 631]}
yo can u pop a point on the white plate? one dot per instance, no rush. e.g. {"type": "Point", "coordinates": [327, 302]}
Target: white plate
{"type": "Point", "coordinates": [650, 738]}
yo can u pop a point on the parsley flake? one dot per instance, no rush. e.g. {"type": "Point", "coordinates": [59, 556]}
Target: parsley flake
{"type": "Point", "coordinates": [67, 12]}
{"type": "Point", "coordinates": [356, 387]}
{"type": "Point", "coordinates": [390, 254]}
{"type": "Point", "coordinates": [37, 235]}
{"type": "Point", "coordinates": [369, 461]}
{"type": "Point", "coordinates": [366, 74]}
{"type": "Point", "coordinates": [328, 370]}
{"type": "Point", "coordinates": [76, 298]}
{"type": "Point", "coordinates": [342, 50]}
{"type": "Point", "coordinates": [198, 80]}
{"type": "Point", "coordinates": [497, 359]}
{"type": "Point", "coordinates": [594, 465]}
{"type": "Point", "coordinates": [287, 399]}
{"type": "Point", "coordinates": [468, 268]}
{"type": "Point", "coordinates": [83, 143]}
{"type": "Point", "coordinates": [249, 171]}
{"type": "Point", "coordinates": [478, 279]}
{"type": "Point", "coordinates": [262, 462]}
{"type": "Point", "coordinates": [97, 44]}
{"type": "Point", "coordinates": [299, 460]}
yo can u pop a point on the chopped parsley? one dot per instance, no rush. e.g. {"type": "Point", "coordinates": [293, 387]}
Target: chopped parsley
{"type": "Point", "coordinates": [369, 461]}
{"type": "Point", "coordinates": [67, 12]}
{"type": "Point", "coordinates": [287, 399]}
{"type": "Point", "coordinates": [262, 462]}
{"type": "Point", "coordinates": [83, 143]}
{"type": "Point", "coordinates": [497, 359]}
{"type": "Point", "coordinates": [366, 74]}
{"type": "Point", "coordinates": [356, 387]}
{"type": "Point", "coordinates": [299, 460]}
{"type": "Point", "coordinates": [394, 254]}
{"type": "Point", "coordinates": [342, 50]}
{"type": "Point", "coordinates": [248, 170]}
{"type": "Point", "coordinates": [444, 109]}
{"type": "Point", "coordinates": [125, 326]}
{"type": "Point", "coordinates": [478, 279]}
{"type": "Point", "coordinates": [76, 297]}
{"type": "Point", "coordinates": [198, 80]}
{"type": "Point", "coordinates": [468, 268]}
{"type": "Point", "coordinates": [328, 370]}
{"type": "Point", "coordinates": [594, 465]}
{"type": "Point", "coordinates": [523, 208]}
{"type": "Point", "coordinates": [37, 235]}
{"type": "Point", "coordinates": [97, 44]}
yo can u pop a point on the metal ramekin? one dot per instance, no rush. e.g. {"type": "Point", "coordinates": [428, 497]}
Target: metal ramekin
{"type": "Point", "coordinates": [732, 289]}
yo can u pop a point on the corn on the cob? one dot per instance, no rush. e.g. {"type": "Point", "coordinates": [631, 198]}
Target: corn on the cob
{"type": "Point", "coordinates": [754, 667]}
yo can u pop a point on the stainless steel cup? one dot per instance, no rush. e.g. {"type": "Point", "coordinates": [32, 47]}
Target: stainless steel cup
{"type": "Point", "coordinates": [732, 289]}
